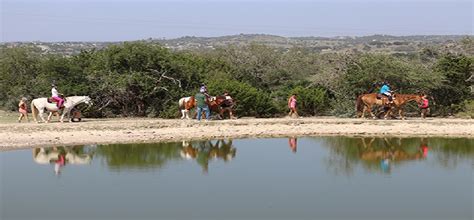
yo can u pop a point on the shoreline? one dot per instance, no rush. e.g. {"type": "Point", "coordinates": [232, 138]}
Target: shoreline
{"type": "Point", "coordinates": [14, 136]}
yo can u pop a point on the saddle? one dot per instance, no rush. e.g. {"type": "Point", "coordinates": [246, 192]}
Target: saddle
{"type": "Point", "coordinates": [51, 100]}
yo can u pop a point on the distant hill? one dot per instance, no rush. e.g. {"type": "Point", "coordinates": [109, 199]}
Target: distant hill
{"type": "Point", "coordinates": [373, 43]}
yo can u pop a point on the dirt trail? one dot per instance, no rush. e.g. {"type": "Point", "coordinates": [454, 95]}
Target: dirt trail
{"type": "Point", "coordinates": [103, 131]}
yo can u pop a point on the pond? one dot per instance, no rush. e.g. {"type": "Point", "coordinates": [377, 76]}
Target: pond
{"type": "Point", "coordinates": [278, 178]}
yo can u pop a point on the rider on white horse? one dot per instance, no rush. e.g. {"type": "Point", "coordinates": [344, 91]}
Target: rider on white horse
{"type": "Point", "coordinates": [38, 105]}
{"type": "Point", "coordinates": [56, 96]}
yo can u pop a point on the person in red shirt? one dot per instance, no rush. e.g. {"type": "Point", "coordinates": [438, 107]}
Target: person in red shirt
{"type": "Point", "coordinates": [424, 106]}
{"type": "Point", "coordinates": [23, 109]}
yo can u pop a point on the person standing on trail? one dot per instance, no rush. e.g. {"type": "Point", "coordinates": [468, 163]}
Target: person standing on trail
{"type": "Point", "coordinates": [201, 104]}
{"type": "Point", "coordinates": [23, 109]}
{"type": "Point", "coordinates": [292, 106]}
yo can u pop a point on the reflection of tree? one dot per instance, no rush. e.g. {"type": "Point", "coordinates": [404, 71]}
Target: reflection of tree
{"type": "Point", "coordinates": [203, 151]}
{"type": "Point", "coordinates": [148, 156]}
{"type": "Point", "coordinates": [452, 151]}
{"type": "Point", "coordinates": [378, 154]}
{"type": "Point", "coordinates": [139, 156]}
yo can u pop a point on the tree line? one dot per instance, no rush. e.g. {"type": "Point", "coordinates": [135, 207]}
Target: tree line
{"type": "Point", "coordinates": [147, 79]}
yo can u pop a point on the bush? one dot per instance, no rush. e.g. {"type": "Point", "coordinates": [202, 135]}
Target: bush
{"type": "Point", "coordinates": [250, 101]}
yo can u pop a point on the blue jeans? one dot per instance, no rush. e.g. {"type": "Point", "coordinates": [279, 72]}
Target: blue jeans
{"type": "Point", "coordinates": [199, 113]}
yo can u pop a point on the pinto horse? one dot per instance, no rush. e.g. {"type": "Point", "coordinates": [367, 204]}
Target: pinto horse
{"type": "Point", "coordinates": [185, 104]}
{"type": "Point", "coordinates": [365, 102]}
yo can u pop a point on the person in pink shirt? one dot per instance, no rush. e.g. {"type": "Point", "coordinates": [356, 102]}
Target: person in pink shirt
{"type": "Point", "coordinates": [292, 106]}
{"type": "Point", "coordinates": [424, 106]}
{"type": "Point", "coordinates": [23, 109]}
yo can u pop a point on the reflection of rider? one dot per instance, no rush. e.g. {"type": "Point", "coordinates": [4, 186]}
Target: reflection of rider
{"type": "Point", "coordinates": [424, 148]}
{"type": "Point", "coordinates": [56, 97]}
{"type": "Point", "coordinates": [385, 165]}
{"type": "Point", "coordinates": [60, 162]}
{"type": "Point", "coordinates": [293, 144]}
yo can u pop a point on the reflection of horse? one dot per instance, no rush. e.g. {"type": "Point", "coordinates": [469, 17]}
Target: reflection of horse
{"type": "Point", "coordinates": [203, 151]}
{"type": "Point", "coordinates": [47, 156]}
{"type": "Point", "coordinates": [185, 104]}
{"type": "Point", "coordinates": [395, 152]}
{"type": "Point", "coordinates": [365, 102]}
{"type": "Point", "coordinates": [38, 105]}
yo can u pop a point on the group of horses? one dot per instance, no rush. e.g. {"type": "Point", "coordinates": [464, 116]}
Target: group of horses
{"type": "Point", "coordinates": [185, 104]}
{"type": "Point", "coordinates": [365, 102]}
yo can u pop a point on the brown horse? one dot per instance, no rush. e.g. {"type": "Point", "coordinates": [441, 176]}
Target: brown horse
{"type": "Point", "coordinates": [365, 102]}
{"type": "Point", "coordinates": [401, 100]}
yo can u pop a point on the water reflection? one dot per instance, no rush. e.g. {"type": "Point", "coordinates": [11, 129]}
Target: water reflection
{"type": "Point", "coordinates": [148, 156]}
{"type": "Point", "coordinates": [204, 151]}
{"type": "Point", "coordinates": [293, 142]}
{"type": "Point", "coordinates": [382, 154]}
{"type": "Point", "coordinates": [344, 153]}
{"type": "Point", "coordinates": [60, 156]}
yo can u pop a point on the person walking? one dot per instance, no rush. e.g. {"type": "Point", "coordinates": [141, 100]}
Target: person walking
{"type": "Point", "coordinates": [424, 106]}
{"type": "Point", "coordinates": [292, 106]}
{"type": "Point", "coordinates": [23, 109]}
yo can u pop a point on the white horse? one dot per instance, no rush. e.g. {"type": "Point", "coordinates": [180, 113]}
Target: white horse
{"type": "Point", "coordinates": [38, 105]}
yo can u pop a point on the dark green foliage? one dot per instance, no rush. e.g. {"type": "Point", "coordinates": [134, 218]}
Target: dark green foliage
{"type": "Point", "coordinates": [250, 100]}
{"type": "Point", "coordinates": [144, 79]}
{"type": "Point", "coordinates": [451, 94]}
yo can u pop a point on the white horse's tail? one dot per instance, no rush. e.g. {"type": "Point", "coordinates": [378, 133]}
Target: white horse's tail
{"type": "Point", "coordinates": [34, 110]}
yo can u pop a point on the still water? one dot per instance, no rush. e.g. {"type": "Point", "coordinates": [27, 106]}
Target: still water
{"type": "Point", "coordinates": [282, 178]}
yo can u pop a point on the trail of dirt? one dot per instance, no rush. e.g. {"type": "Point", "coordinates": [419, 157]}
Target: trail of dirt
{"type": "Point", "coordinates": [104, 131]}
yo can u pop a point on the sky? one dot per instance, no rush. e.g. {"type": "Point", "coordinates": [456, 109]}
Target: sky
{"type": "Point", "coordinates": [122, 20]}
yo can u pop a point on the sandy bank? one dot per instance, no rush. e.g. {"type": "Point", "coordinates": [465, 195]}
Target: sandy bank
{"type": "Point", "coordinates": [103, 131]}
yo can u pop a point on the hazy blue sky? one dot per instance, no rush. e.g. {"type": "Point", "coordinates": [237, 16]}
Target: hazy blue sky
{"type": "Point", "coordinates": [107, 20]}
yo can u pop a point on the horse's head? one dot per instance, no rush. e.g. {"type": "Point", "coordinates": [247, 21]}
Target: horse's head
{"type": "Point", "coordinates": [88, 100]}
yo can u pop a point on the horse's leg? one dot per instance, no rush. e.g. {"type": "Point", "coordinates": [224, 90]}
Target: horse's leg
{"type": "Point", "coordinates": [363, 112]}
{"type": "Point", "coordinates": [400, 112]}
{"type": "Point", "coordinates": [64, 113]}
{"type": "Point", "coordinates": [69, 115]}
{"type": "Point", "coordinates": [387, 113]}
{"type": "Point", "coordinates": [49, 116]}
{"type": "Point", "coordinates": [369, 108]}
{"type": "Point", "coordinates": [182, 113]}
{"type": "Point", "coordinates": [40, 112]}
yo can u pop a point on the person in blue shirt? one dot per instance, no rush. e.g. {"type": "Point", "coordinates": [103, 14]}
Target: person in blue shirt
{"type": "Point", "coordinates": [386, 91]}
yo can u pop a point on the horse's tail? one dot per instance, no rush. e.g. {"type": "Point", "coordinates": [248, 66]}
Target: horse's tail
{"type": "Point", "coordinates": [182, 103]}
{"type": "Point", "coordinates": [34, 110]}
{"type": "Point", "coordinates": [359, 107]}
